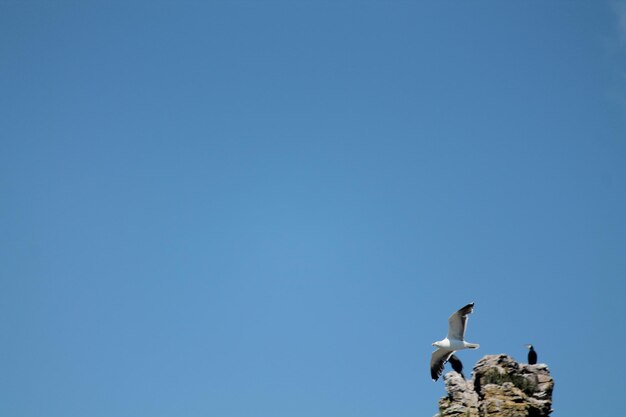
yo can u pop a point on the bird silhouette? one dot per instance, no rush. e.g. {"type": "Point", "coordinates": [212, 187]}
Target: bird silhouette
{"type": "Point", "coordinates": [457, 365]}
{"type": "Point", "coordinates": [532, 355]}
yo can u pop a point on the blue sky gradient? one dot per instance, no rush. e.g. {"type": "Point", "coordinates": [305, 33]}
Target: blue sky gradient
{"type": "Point", "coordinates": [271, 208]}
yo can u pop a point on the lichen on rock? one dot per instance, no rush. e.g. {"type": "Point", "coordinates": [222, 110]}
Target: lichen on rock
{"type": "Point", "coordinates": [500, 387]}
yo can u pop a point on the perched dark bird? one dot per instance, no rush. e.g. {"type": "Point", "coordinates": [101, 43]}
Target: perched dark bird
{"type": "Point", "coordinates": [457, 365]}
{"type": "Point", "coordinates": [457, 323]}
{"type": "Point", "coordinates": [532, 355]}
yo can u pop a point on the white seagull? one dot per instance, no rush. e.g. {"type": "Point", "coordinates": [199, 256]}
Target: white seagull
{"type": "Point", "coordinates": [455, 341]}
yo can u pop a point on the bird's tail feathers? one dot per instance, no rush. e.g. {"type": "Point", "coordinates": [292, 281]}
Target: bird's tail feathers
{"type": "Point", "coordinates": [473, 345]}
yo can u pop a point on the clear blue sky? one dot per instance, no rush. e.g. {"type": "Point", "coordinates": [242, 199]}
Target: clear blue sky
{"type": "Point", "coordinates": [269, 209]}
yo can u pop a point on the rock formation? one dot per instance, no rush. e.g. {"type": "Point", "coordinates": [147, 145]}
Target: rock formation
{"type": "Point", "coordinates": [500, 387]}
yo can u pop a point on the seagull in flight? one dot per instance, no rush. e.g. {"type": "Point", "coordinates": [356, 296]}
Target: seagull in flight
{"type": "Point", "coordinates": [457, 323]}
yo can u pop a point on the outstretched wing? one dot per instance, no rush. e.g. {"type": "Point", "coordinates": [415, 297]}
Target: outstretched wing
{"type": "Point", "coordinates": [458, 321]}
{"type": "Point", "coordinates": [437, 361]}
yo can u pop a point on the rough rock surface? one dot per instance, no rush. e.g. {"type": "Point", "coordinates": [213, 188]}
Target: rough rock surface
{"type": "Point", "coordinates": [462, 400]}
{"type": "Point", "coordinates": [500, 387]}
